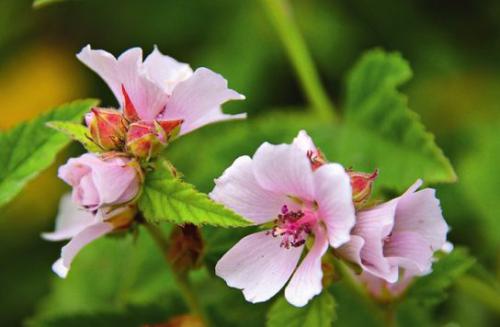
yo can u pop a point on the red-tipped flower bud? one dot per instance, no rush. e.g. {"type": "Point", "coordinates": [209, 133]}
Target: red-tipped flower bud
{"type": "Point", "coordinates": [361, 184]}
{"type": "Point", "coordinates": [145, 139]}
{"type": "Point", "coordinates": [107, 127]}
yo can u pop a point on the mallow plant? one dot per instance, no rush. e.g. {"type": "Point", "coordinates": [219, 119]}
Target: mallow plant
{"type": "Point", "coordinates": [282, 223]}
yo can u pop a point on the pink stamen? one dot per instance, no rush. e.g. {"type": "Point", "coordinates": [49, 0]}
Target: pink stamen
{"type": "Point", "coordinates": [293, 227]}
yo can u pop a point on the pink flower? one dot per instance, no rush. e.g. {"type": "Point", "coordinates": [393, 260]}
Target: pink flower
{"type": "Point", "coordinates": [402, 234]}
{"type": "Point", "coordinates": [82, 227]}
{"type": "Point", "coordinates": [280, 185]}
{"type": "Point", "coordinates": [161, 88]}
{"type": "Point", "coordinates": [99, 182]}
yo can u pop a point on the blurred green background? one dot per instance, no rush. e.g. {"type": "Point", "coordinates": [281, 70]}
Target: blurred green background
{"type": "Point", "coordinates": [452, 45]}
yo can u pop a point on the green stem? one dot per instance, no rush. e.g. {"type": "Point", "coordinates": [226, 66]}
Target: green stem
{"type": "Point", "coordinates": [280, 15]}
{"type": "Point", "coordinates": [487, 295]}
{"type": "Point", "coordinates": [182, 280]}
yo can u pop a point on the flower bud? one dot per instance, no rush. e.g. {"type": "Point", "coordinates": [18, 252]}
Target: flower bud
{"type": "Point", "coordinates": [186, 248]}
{"type": "Point", "coordinates": [107, 127]}
{"type": "Point", "coordinates": [361, 184]}
{"type": "Point", "coordinates": [145, 139]}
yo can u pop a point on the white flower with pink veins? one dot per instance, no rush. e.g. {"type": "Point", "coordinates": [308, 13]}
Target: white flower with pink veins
{"type": "Point", "coordinates": [284, 185]}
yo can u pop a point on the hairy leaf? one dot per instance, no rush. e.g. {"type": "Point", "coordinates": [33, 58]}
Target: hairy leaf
{"type": "Point", "coordinates": [319, 312]}
{"type": "Point", "coordinates": [381, 131]}
{"type": "Point", "coordinates": [76, 132]}
{"type": "Point", "coordinates": [166, 197]}
{"type": "Point", "coordinates": [30, 147]}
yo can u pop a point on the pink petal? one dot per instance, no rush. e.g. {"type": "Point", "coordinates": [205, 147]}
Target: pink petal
{"type": "Point", "coordinates": [70, 220]}
{"type": "Point", "coordinates": [165, 71]}
{"type": "Point", "coordinates": [306, 281]}
{"type": "Point", "coordinates": [197, 100]}
{"type": "Point", "coordinates": [284, 169]}
{"type": "Point", "coordinates": [420, 212]}
{"type": "Point", "coordinates": [258, 265]}
{"type": "Point", "coordinates": [334, 198]}
{"type": "Point", "coordinates": [70, 250]}
{"type": "Point", "coordinates": [148, 98]}
{"type": "Point", "coordinates": [238, 189]}
{"type": "Point", "coordinates": [409, 250]}
{"type": "Point", "coordinates": [374, 225]}
{"type": "Point", "coordinates": [351, 250]}
{"type": "Point", "coordinates": [304, 142]}
{"type": "Point", "coordinates": [116, 181]}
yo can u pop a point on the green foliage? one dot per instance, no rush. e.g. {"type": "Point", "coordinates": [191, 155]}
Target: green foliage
{"type": "Point", "coordinates": [319, 312]}
{"type": "Point", "coordinates": [480, 182]}
{"type": "Point", "coordinates": [76, 132]}
{"type": "Point", "coordinates": [109, 280]}
{"type": "Point", "coordinates": [381, 127]}
{"type": "Point", "coordinates": [166, 197]}
{"type": "Point", "coordinates": [30, 147]}
{"type": "Point", "coordinates": [431, 289]}
{"type": "Point", "coordinates": [42, 3]}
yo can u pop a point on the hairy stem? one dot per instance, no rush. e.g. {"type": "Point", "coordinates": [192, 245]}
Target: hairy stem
{"type": "Point", "coordinates": [181, 279]}
{"type": "Point", "coordinates": [280, 14]}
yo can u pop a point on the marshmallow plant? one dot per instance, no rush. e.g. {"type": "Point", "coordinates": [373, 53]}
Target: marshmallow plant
{"type": "Point", "coordinates": [310, 205]}
{"type": "Point", "coordinates": [312, 224]}
{"type": "Point", "coordinates": [159, 100]}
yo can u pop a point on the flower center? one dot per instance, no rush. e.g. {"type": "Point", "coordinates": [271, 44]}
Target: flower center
{"type": "Point", "coordinates": [293, 226]}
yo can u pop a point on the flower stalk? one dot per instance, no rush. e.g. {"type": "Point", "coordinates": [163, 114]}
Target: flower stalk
{"type": "Point", "coordinates": [280, 14]}
{"type": "Point", "coordinates": [181, 278]}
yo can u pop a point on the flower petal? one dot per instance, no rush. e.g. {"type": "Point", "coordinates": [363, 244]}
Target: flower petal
{"type": "Point", "coordinates": [411, 251]}
{"type": "Point", "coordinates": [284, 169]}
{"type": "Point", "coordinates": [197, 100]}
{"type": "Point", "coordinates": [165, 71]}
{"type": "Point", "coordinates": [304, 142]}
{"type": "Point", "coordinates": [374, 225]}
{"type": "Point", "coordinates": [258, 265]}
{"type": "Point", "coordinates": [116, 181]}
{"type": "Point", "coordinates": [70, 220]}
{"type": "Point", "coordinates": [70, 250]}
{"type": "Point", "coordinates": [238, 189]}
{"type": "Point", "coordinates": [334, 198]}
{"type": "Point", "coordinates": [306, 281]}
{"type": "Point", "coordinates": [420, 212]}
{"type": "Point", "coordinates": [148, 98]}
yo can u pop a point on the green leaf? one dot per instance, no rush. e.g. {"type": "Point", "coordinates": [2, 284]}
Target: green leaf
{"type": "Point", "coordinates": [319, 312]}
{"type": "Point", "coordinates": [431, 289]}
{"type": "Point", "coordinates": [30, 147]}
{"type": "Point", "coordinates": [42, 3]}
{"type": "Point", "coordinates": [480, 183]}
{"type": "Point", "coordinates": [76, 132]}
{"type": "Point", "coordinates": [166, 197]}
{"type": "Point", "coordinates": [108, 278]}
{"type": "Point", "coordinates": [381, 127]}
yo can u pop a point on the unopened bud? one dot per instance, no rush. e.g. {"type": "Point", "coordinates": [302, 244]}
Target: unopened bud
{"type": "Point", "coordinates": [186, 248]}
{"type": "Point", "coordinates": [361, 184]}
{"type": "Point", "coordinates": [145, 139]}
{"type": "Point", "coordinates": [107, 127]}
{"type": "Point", "coordinates": [128, 107]}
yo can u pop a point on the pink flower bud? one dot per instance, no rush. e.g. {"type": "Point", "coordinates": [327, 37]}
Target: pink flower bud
{"type": "Point", "coordinates": [107, 127]}
{"type": "Point", "coordinates": [145, 139]}
{"type": "Point", "coordinates": [361, 184]}
{"type": "Point", "coordinates": [101, 182]}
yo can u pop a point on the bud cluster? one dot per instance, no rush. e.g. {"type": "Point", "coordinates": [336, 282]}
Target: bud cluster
{"type": "Point", "coordinates": [113, 130]}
